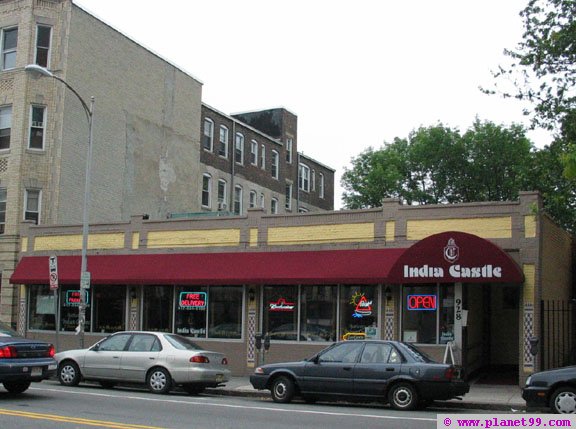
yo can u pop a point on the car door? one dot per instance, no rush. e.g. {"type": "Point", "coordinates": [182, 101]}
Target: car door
{"type": "Point", "coordinates": [331, 372]}
{"type": "Point", "coordinates": [377, 365]}
{"type": "Point", "coordinates": [102, 361]}
{"type": "Point", "coordinates": [141, 354]}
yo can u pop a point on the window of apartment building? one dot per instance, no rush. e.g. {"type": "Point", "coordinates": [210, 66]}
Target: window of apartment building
{"type": "Point", "coordinates": [275, 166]}
{"type": "Point", "coordinates": [274, 206]}
{"type": "Point", "coordinates": [262, 201]}
{"type": "Point", "coordinates": [253, 199]}
{"type": "Point", "coordinates": [304, 177]}
{"type": "Point", "coordinates": [223, 143]}
{"type": "Point", "coordinates": [239, 149]}
{"type": "Point", "coordinates": [5, 126]}
{"type": "Point", "coordinates": [9, 43]}
{"type": "Point", "coordinates": [321, 185]}
{"type": "Point", "coordinates": [238, 194]}
{"type": "Point", "coordinates": [313, 179]}
{"type": "Point", "coordinates": [254, 152]}
{"type": "Point", "coordinates": [3, 195]}
{"type": "Point", "coordinates": [206, 190]}
{"type": "Point", "coordinates": [222, 194]}
{"type": "Point", "coordinates": [288, 194]}
{"type": "Point", "coordinates": [263, 157]}
{"type": "Point", "coordinates": [43, 33]}
{"type": "Point", "coordinates": [157, 308]}
{"type": "Point", "coordinates": [32, 205]}
{"type": "Point", "coordinates": [208, 135]}
{"type": "Point", "coordinates": [37, 124]}
{"type": "Point", "coordinates": [289, 144]}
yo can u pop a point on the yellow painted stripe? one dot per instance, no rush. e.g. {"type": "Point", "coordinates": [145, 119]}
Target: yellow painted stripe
{"type": "Point", "coordinates": [74, 241]}
{"type": "Point", "coordinates": [135, 240]}
{"type": "Point", "coordinates": [339, 233]}
{"type": "Point", "coordinates": [76, 420]}
{"type": "Point", "coordinates": [24, 244]}
{"type": "Point", "coordinates": [493, 227]}
{"type": "Point", "coordinates": [530, 226]}
{"type": "Point", "coordinates": [253, 237]}
{"type": "Point", "coordinates": [529, 283]}
{"type": "Point", "coordinates": [390, 230]}
{"type": "Point", "coordinates": [195, 238]}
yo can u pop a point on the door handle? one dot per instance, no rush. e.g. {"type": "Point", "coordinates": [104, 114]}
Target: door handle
{"type": "Point", "coordinates": [115, 357]}
{"type": "Point", "coordinates": [151, 358]}
{"type": "Point", "coordinates": [347, 368]}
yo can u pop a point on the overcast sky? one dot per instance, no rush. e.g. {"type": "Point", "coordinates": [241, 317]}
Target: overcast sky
{"type": "Point", "coordinates": [357, 73]}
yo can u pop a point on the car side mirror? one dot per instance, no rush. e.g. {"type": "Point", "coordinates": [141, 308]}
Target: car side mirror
{"type": "Point", "coordinates": [95, 347]}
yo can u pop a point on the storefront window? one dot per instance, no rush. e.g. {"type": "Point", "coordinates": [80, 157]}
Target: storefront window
{"type": "Point", "coordinates": [41, 311]}
{"type": "Point", "coordinates": [157, 308]}
{"type": "Point", "coordinates": [69, 303]}
{"type": "Point", "coordinates": [428, 313]}
{"type": "Point", "coordinates": [359, 312]}
{"type": "Point", "coordinates": [225, 312]}
{"type": "Point", "coordinates": [191, 308]}
{"type": "Point", "coordinates": [318, 313]}
{"type": "Point", "coordinates": [281, 313]}
{"type": "Point", "coordinates": [109, 308]}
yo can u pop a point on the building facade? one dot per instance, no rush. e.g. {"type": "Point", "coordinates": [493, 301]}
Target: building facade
{"type": "Point", "coordinates": [464, 282]}
{"type": "Point", "coordinates": [147, 128]}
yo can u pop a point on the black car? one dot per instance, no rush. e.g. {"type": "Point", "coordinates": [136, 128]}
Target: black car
{"type": "Point", "coordinates": [555, 389]}
{"type": "Point", "coordinates": [23, 361]}
{"type": "Point", "coordinates": [389, 371]}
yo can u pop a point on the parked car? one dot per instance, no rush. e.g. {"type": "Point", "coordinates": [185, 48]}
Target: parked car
{"type": "Point", "coordinates": [23, 361]}
{"type": "Point", "coordinates": [554, 389]}
{"type": "Point", "coordinates": [390, 371]}
{"type": "Point", "coordinates": [159, 360]}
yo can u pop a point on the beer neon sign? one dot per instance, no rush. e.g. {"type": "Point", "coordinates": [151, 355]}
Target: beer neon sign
{"type": "Point", "coordinates": [193, 300]}
{"type": "Point", "coordinates": [281, 305]}
{"type": "Point", "coordinates": [422, 302]}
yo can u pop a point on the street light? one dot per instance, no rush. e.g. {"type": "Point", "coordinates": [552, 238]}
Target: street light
{"type": "Point", "coordinates": [37, 70]}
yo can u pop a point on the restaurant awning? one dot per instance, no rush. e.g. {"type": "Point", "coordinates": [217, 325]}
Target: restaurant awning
{"type": "Point", "coordinates": [361, 266]}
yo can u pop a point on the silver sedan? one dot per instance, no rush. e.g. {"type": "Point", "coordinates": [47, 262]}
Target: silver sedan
{"type": "Point", "coordinates": [159, 360]}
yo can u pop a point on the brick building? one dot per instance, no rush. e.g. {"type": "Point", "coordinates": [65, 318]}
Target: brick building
{"type": "Point", "coordinates": [473, 275]}
{"type": "Point", "coordinates": [148, 127]}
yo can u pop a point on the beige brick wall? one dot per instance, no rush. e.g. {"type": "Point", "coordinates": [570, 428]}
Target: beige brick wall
{"type": "Point", "coordinates": [556, 263]}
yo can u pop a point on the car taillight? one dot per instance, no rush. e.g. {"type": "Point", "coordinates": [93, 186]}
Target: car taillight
{"type": "Point", "coordinates": [449, 374]}
{"type": "Point", "coordinates": [8, 352]}
{"type": "Point", "coordinates": [199, 359]}
{"type": "Point", "coordinates": [224, 361]}
{"type": "Point", "coordinates": [51, 351]}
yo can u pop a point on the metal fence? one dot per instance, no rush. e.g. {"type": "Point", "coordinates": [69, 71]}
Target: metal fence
{"type": "Point", "coordinates": [557, 328]}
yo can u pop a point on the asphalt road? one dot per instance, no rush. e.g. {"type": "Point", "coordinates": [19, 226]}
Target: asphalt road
{"type": "Point", "coordinates": [50, 405]}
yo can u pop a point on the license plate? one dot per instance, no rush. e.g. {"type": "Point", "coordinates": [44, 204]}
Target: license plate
{"type": "Point", "coordinates": [36, 371]}
{"type": "Point", "coordinates": [219, 378]}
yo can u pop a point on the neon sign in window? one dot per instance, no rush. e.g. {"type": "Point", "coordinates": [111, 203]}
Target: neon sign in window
{"type": "Point", "coordinates": [192, 300]}
{"type": "Point", "coordinates": [281, 305]}
{"type": "Point", "coordinates": [73, 298]}
{"type": "Point", "coordinates": [363, 305]}
{"type": "Point", "coordinates": [422, 302]}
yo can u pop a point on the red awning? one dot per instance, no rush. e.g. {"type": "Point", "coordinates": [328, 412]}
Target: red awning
{"type": "Point", "coordinates": [307, 267]}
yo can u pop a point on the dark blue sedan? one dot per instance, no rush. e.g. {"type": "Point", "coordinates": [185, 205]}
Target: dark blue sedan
{"type": "Point", "coordinates": [388, 371]}
{"type": "Point", "coordinates": [554, 389]}
{"type": "Point", "coordinates": [23, 361]}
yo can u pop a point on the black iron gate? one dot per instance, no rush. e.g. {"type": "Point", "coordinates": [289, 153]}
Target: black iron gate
{"type": "Point", "coordinates": [557, 327]}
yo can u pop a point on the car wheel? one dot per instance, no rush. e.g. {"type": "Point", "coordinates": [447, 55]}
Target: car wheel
{"type": "Point", "coordinates": [159, 380]}
{"type": "Point", "coordinates": [193, 389]}
{"type": "Point", "coordinates": [403, 396]}
{"type": "Point", "coordinates": [564, 401]}
{"type": "Point", "coordinates": [107, 384]}
{"type": "Point", "coordinates": [69, 373]}
{"type": "Point", "coordinates": [16, 386]}
{"type": "Point", "coordinates": [282, 390]}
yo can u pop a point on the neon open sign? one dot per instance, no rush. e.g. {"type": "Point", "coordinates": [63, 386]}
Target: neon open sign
{"type": "Point", "coordinates": [422, 302]}
{"type": "Point", "coordinates": [73, 298]}
{"type": "Point", "coordinates": [193, 300]}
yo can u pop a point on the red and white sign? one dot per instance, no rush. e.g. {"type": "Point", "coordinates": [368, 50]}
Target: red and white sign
{"type": "Point", "coordinates": [53, 267]}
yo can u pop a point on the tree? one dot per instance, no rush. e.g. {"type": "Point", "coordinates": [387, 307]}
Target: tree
{"type": "Point", "coordinates": [438, 165]}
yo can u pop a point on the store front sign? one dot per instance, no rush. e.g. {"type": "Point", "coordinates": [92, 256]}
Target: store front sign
{"type": "Point", "coordinates": [281, 305]}
{"type": "Point", "coordinates": [454, 271]}
{"type": "Point", "coordinates": [193, 300]}
{"type": "Point", "coordinates": [363, 305]}
{"type": "Point", "coordinates": [422, 302]}
{"type": "Point", "coordinates": [73, 298]}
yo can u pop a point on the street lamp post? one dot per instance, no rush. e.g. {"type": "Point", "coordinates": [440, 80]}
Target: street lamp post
{"type": "Point", "coordinates": [84, 274]}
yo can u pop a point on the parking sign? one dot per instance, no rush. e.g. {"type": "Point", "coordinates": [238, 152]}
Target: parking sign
{"type": "Point", "coordinates": [53, 266]}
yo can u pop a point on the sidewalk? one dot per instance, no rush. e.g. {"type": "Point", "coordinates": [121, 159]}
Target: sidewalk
{"type": "Point", "coordinates": [481, 396]}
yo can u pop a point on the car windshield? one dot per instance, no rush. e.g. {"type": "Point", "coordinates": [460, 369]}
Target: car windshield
{"type": "Point", "coordinates": [182, 343]}
{"type": "Point", "coordinates": [416, 354]}
{"type": "Point", "coordinates": [7, 331]}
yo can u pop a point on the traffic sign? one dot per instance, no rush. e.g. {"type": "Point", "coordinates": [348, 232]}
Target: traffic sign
{"type": "Point", "coordinates": [53, 267]}
{"type": "Point", "coordinates": [85, 280]}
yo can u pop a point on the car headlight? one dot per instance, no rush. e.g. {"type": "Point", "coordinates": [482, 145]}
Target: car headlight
{"type": "Point", "coordinates": [258, 371]}
{"type": "Point", "coordinates": [528, 381]}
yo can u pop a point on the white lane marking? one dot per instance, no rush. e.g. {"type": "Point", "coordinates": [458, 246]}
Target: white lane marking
{"type": "Point", "coordinates": [214, 404]}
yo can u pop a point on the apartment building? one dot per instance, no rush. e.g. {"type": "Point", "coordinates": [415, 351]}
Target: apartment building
{"type": "Point", "coordinates": [147, 128]}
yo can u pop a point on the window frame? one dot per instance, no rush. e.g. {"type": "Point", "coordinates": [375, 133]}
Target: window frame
{"type": "Point", "coordinates": [274, 205]}
{"type": "Point", "coordinates": [223, 144]}
{"type": "Point", "coordinates": [238, 199]}
{"type": "Point", "coordinates": [263, 157]}
{"type": "Point", "coordinates": [253, 199]}
{"type": "Point", "coordinates": [239, 148]}
{"type": "Point", "coordinates": [275, 165]}
{"type": "Point", "coordinates": [9, 136]}
{"type": "Point", "coordinates": [321, 185]}
{"type": "Point", "coordinates": [4, 51]}
{"type": "Point", "coordinates": [27, 193]}
{"type": "Point", "coordinates": [289, 146]}
{"type": "Point", "coordinates": [32, 126]}
{"type": "Point", "coordinates": [222, 199]}
{"type": "Point", "coordinates": [208, 137]}
{"type": "Point", "coordinates": [304, 182]}
{"type": "Point", "coordinates": [206, 192]}
{"type": "Point", "coordinates": [288, 195]}
{"type": "Point", "coordinates": [47, 48]}
{"type": "Point", "coordinates": [3, 202]}
{"type": "Point", "coordinates": [254, 152]}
